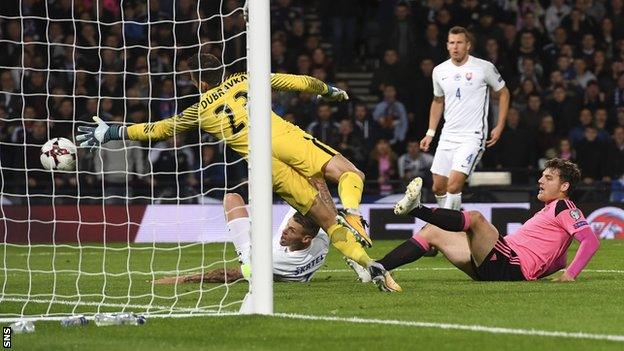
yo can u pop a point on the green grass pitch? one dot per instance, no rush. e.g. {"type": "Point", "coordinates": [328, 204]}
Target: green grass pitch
{"type": "Point", "coordinates": [434, 293]}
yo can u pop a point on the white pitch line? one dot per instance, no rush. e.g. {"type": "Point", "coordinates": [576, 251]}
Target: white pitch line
{"type": "Point", "coordinates": [449, 326]}
{"type": "Point", "coordinates": [87, 303]}
{"type": "Point", "coordinates": [403, 323]}
{"type": "Point", "coordinates": [148, 315]}
{"type": "Point", "coordinates": [603, 270]}
{"type": "Point", "coordinates": [455, 269]}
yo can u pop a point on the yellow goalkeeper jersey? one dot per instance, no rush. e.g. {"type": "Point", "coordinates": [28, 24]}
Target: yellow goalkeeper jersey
{"type": "Point", "coordinates": [222, 112]}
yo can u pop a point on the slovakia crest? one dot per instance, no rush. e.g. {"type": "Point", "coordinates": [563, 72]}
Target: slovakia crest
{"type": "Point", "coordinates": [468, 75]}
{"type": "Point", "coordinates": [608, 222]}
{"type": "Point", "coordinates": [457, 77]}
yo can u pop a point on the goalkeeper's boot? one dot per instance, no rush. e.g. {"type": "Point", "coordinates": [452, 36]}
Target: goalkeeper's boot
{"type": "Point", "coordinates": [382, 278]}
{"type": "Point", "coordinates": [363, 275]}
{"type": "Point", "coordinates": [411, 199]}
{"type": "Point", "coordinates": [358, 237]}
{"type": "Point", "coordinates": [358, 224]}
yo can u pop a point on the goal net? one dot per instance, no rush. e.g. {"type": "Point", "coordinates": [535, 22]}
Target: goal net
{"type": "Point", "coordinates": [95, 239]}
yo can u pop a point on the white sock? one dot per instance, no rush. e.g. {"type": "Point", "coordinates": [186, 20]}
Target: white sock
{"type": "Point", "coordinates": [239, 230]}
{"type": "Point", "coordinates": [453, 201]}
{"type": "Point", "coordinates": [441, 200]}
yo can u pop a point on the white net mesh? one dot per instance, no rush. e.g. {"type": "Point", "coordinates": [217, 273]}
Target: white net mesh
{"type": "Point", "coordinates": [94, 239]}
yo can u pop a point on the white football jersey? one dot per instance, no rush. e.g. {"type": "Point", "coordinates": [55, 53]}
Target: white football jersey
{"type": "Point", "coordinates": [298, 265]}
{"type": "Point", "coordinates": [466, 98]}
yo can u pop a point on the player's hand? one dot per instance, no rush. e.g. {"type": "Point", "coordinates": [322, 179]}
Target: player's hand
{"type": "Point", "coordinates": [334, 94]}
{"type": "Point", "coordinates": [95, 136]}
{"type": "Point", "coordinates": [565, 277]}
{"type": "Point", "coordinates": [494, 136]}
{"type": "Point", "coordinates": [425, 142]}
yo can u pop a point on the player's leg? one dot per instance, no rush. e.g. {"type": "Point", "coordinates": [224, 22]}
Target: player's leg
{"type": "Point", "coordinates": [312, 158]}
{"type": "Point", "coordinates": [453, 196]}
{"type": "Point", "coordinates": [482, 235]}
{"type": "Point", "coordinates": [238, 227]}
{"type": "Point", "coordinates": [440, 170]}
{"type": "Point", "coordinates": [465, 159]}
{"type": "Point", "coordinates": [439, 188]}
{"type": "Point", "coordinates": [454, 246]}
{"type": "Point", "coordinates": [349, 178]}
{"type": "Point", "coordinates": [300, 194]}
{"type": "Point", "coordinates": [350, 187]}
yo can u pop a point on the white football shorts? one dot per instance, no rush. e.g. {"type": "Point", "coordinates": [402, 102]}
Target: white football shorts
{"type": "Point", "coordinates": [460, 157]}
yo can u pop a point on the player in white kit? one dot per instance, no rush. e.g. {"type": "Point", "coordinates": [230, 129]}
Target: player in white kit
{"type": "Point", "coordinates": [299, 247]}
{"type": "Point", "coordinates": [461, 89]}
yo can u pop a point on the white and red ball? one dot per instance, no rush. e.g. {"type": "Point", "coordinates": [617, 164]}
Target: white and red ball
{"type": "Point", "coordinates": [59, 154]}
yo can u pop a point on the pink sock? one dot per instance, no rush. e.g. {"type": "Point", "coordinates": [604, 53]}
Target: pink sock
{"type": "Point", "coordinates": [421, 241]}
{"type": "Point", "coordinates": [466, 221]}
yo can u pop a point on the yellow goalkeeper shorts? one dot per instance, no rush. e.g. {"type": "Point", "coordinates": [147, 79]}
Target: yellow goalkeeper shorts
{"type": "Point", "coordinates": [293, 187]}
{"type": "Point", "coordinates": [302, 152]}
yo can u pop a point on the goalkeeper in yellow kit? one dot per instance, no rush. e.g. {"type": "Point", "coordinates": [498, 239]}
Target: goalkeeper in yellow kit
{"type": "Point", "coordinates": [296, 155]}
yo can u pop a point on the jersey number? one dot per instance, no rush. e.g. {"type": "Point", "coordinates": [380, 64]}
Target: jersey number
{"type": "Point", "coordinates": [230, 114]}
{"type": "Point", "coordinates": [458, 94]}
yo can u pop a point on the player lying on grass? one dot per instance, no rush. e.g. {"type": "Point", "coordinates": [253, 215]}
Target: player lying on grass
{"type": "Point", "coordinates": [472, 244]}
{"type": "Point", "coordinates": [297, 156]}
{"type": "Point", "coordinates": [299, 245]}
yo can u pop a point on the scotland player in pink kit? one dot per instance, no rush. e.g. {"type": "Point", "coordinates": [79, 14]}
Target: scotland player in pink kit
{"type": "Point", "coordinates": [473, 245]}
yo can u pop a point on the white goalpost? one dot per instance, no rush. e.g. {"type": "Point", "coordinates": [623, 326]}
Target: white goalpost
{"type": "Point", "coordinates": [260, 184]}
{"type": "Point", "coordinates": [94, 240]}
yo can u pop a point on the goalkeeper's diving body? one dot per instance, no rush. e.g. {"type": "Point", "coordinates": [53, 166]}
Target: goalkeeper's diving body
{"type": "Point", "coordinates": [296, 155]}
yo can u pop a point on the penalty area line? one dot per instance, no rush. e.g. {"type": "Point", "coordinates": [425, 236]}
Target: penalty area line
{"type": "Point", "coordinates": [449, 326]}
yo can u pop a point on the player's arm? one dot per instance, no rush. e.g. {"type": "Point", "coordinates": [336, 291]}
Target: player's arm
{"type": "Point", "coordinates": [161, 130]}
{"type": "Point", "coordinates": [496, 82]}
{"type": "Point", "coordinates": [219, 275]}
{"type": "Point", "coordinates": [435, 114]}
{"type": "Point", "coordinates": [503, 108]}
{"type": "Point", "coordinates": [572, 221]}
{"type": "Point", "coordinates": [166, 128]}
{"type": "Point", "coordinates": [435, 111]}
{"type": "Point", "coordinates": [589, 244]}
{"type": "Point", "coordinates": [306, 84]}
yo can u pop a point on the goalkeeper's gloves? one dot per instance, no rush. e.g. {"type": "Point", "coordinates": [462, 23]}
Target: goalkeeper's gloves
{"type": "Point", "coordinates": [334, 94]}
{"type": "Point", "coordinates": [95, 136]}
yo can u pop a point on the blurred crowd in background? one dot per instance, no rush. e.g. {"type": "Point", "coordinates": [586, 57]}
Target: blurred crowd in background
{"type": "Point", "coordinates": [64, 61]}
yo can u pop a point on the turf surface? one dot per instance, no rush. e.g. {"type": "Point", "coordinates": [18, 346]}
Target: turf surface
{"type": "Point", "coordinates": [434, 292]}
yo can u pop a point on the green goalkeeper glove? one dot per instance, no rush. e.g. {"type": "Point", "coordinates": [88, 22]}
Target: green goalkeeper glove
{"type": "Point", "coordinates": [334, 94]}
{"type": "Point", "coordinates": [95, 136]}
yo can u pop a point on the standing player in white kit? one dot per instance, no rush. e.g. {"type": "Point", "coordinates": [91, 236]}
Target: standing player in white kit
{"type": "Point", "coordinates": [461, 89]}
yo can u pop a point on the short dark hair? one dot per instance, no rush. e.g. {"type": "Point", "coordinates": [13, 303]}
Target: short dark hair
{"type": "Point", "coordinates": [568, 171]}
{"type": "Point", "coordinates": [206, 68]}
{"type": "Point", "coordinates": [309, 225]}
{"type": "Point", "coordinates": [462, 30]}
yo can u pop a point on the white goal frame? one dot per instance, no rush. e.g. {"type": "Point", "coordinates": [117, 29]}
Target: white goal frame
{"type": "Point", "coordinates": [260, 178]}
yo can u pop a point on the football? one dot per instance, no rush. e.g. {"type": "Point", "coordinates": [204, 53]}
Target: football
{"type": "Point", "coordinates": [58, 154]}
